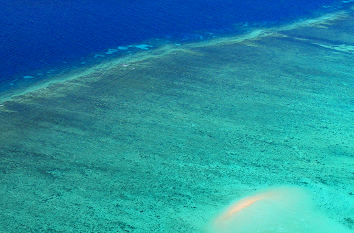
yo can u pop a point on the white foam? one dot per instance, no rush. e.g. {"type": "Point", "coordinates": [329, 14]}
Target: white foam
{"type": "Point", "coordinates": [341, 47]}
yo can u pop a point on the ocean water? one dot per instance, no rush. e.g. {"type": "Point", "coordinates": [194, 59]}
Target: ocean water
{"type": "Point", "coordinates": [196, 116]}
{"type": "Point", "coordinates": [41, 38]}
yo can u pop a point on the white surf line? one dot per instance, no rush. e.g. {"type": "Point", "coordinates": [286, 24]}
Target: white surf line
{"type": "Point", "coordinates": [273, 31]}
{"type": "Point", "coordinates": [341, 48]}
{"type": "Point", "coordinates": [338, 47]}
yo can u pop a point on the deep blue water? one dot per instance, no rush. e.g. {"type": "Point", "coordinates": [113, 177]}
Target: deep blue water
{"type": "Point", "coordinates": [44, 34]}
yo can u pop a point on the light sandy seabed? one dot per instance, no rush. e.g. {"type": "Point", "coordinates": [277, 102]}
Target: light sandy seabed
{"type": "Point", "coordinates": [167, 142]}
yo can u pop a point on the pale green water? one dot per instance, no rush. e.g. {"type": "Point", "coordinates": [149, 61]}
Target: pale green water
{"type": "Point", "coordinates": [167, 142]}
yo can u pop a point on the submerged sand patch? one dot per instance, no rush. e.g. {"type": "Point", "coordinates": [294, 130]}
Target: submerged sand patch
{"type": "Point", "coordinates": [281, 209]}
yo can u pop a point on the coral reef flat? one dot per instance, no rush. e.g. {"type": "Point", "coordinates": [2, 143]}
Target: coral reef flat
{"type": "Point", "coordinates": [165, 142]}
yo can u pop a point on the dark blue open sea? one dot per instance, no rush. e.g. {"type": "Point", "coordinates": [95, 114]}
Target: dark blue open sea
{"type": "Point", "coordinates": [42, 36]}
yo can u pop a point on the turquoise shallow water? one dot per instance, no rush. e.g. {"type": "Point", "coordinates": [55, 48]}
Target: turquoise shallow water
{"type": "Point", "coordinates": [169, 139]}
